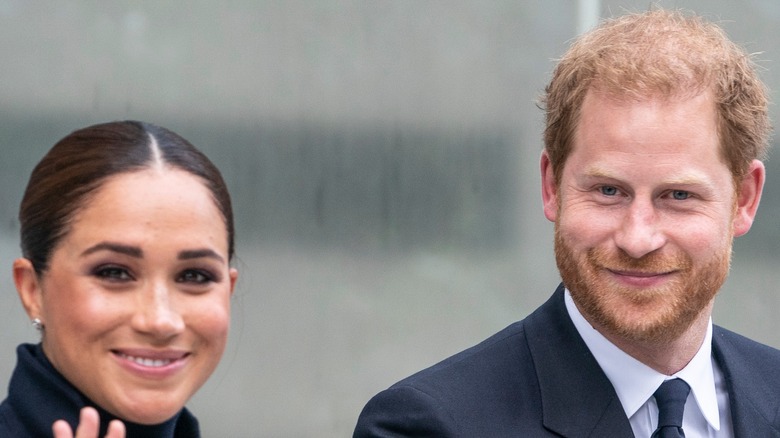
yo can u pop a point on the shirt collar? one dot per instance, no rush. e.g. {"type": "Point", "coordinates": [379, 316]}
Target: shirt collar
{"type": "Point", "coordinates": [635, 382]}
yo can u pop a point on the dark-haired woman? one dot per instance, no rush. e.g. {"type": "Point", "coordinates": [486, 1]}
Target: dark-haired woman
{"type": "Point", "coordinates": [127, 238]}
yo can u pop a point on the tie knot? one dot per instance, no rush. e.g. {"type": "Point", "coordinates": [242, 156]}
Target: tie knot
{"type": "Point", "coordinates": [671, 396]}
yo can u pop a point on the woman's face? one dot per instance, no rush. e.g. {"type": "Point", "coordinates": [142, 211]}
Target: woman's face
{"type": "Point", "coordinates": [136, 302]}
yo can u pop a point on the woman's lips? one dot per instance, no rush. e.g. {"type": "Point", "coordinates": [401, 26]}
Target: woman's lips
{"type": "Point", "coordinates": [151, 363]}
{"type": "Point", "coordinates": [145, 361]}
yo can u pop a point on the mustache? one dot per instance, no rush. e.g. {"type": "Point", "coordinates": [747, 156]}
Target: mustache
{"type": "Point", "coordinates": [654, 262]}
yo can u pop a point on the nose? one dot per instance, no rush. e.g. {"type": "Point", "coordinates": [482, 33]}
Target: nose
{"type": "Point", "coordinates": [640, 231]}
{"type": "Point", "coordinates": [155, 315]}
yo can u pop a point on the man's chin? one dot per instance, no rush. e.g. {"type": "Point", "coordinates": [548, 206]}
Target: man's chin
{"type": "Point", "coordinates": [662, 331]}
{"type": "Point", "coordinates": [639, 316]}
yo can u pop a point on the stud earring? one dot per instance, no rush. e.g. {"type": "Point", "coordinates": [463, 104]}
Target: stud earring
{"type": "Point", "coordinates": [38, 324]}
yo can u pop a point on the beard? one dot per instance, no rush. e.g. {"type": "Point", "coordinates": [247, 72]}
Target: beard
{"type": "Point", "coordinates": [640, 314]}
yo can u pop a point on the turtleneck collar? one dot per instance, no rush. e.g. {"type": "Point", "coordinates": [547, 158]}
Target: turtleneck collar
{"type": "Point", "coordinates": [38, 395]}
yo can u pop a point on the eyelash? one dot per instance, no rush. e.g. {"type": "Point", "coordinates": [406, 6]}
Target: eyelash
{"type": "Point", "coordinates": [113, 273]}
{"type": "Point", "coordinates": [686, 194]}
{"type": "Point", "coordinates": [603, 190]}
{"type": "Point", "coordinates": [203, 276]}
{"type": "Point", "coordinates": [118, 274]}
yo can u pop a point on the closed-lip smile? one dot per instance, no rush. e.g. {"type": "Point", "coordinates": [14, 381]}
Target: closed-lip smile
{"type": "Point", "coordinates": [640, 278]}
{"type": "Point", "coordinates": [639, 273]}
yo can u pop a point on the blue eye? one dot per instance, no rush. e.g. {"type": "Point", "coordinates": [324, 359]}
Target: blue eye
{"type": "Point", "coordinates": [680, 195]}
{"type": "Point", "coordinates": [608, 190]}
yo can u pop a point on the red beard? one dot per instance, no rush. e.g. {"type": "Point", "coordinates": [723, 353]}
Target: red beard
{"type": "Point", "coordinates": [652, 314]}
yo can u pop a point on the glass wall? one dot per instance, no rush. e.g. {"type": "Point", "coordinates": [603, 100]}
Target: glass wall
{"type": "Point", "coordinates": [383, 159]}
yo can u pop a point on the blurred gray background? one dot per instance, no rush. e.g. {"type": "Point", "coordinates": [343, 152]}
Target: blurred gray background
{"type": "Point", "coordinates": [382, 156]}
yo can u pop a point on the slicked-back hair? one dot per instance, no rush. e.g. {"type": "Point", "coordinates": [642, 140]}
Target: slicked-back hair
{"type": "Point", "coordinates": [80, 163]}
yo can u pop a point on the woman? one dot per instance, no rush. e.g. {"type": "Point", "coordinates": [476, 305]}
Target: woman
{"type": "Point", "coordinates": [127, 237]}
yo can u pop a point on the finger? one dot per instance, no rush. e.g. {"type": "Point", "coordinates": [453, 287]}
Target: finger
{"type": "Point", "coordinates": [61, 429]}
{"type": "Point", "coordinates": [116, 429]}
{"type": "Point", "coordinates": [89, 423]}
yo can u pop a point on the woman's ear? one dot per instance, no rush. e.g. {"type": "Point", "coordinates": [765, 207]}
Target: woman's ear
{"type": "Point", "coordinates": [28, 287]}
{"type": "Point", "coordinates": [233, 280]}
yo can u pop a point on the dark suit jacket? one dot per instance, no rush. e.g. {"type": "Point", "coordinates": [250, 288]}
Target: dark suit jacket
{"type": "Point", "coordinates": [537, 378]}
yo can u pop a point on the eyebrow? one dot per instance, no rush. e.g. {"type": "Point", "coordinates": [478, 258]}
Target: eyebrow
{"type": "Point", "coordinates": [132, 251]}
{"type": "Point", "coordinates": [198, 253]}
{"type": "Point", "coordinates": [684, 180]}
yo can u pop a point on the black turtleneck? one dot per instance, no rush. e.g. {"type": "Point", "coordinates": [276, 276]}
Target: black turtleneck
{"type": "Point", "coordinates": [38, 395]}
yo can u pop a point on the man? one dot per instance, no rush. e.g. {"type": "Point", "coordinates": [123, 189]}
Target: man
{"type": "Point", "coordinates": [656, 124]}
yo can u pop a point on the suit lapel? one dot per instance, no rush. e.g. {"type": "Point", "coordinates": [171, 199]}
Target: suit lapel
{"type": "Point", "coordinates": [577, 398]}
{"type": "Point", "coordinates": [753, 401]}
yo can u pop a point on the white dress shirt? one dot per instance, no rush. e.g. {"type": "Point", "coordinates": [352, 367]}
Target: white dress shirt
{"type": "Point", "coordinates": [706, 413]}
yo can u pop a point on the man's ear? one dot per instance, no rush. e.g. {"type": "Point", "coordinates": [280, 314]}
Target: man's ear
{"type": "Point", "coordinates": [748, 197]}
{"type": "Point", "coordinates": [549, 188]}
{"type": "Point", "coordinates": [28, 287]}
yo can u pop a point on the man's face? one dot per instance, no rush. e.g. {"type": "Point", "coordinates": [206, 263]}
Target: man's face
{"type": "Point", "coordinates": [645, 214]}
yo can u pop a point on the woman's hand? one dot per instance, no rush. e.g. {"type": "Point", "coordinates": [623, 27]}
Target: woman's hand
{"type": "Point", "coordinates": [89, 425]}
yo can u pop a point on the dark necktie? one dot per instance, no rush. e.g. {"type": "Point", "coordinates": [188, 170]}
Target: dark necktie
{"type": "Point", "coordinates": [671, 396]}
